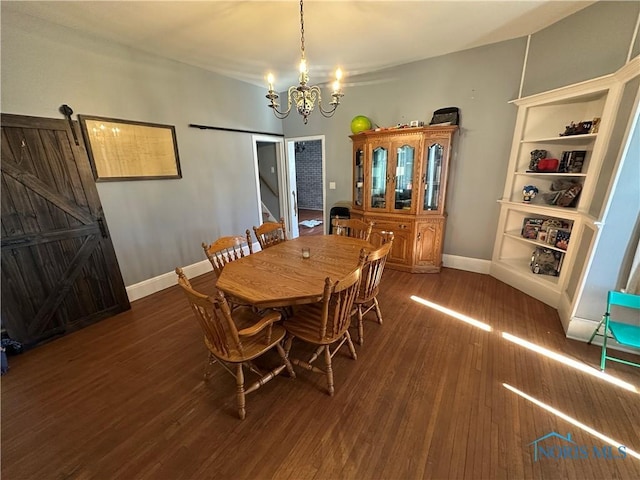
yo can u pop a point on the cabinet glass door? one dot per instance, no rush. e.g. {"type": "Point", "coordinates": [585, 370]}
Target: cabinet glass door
{"type": "Point", "coordinates": [404, 177]}
{"type": "Point", "coordinates": [433, 177]}
{"type": "Point", "coordinates": [358, 178]}
{"type": "Point", "coordinates": [379, 161]}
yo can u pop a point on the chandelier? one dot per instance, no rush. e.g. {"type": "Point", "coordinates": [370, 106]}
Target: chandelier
{"type": "Point", "coordinates": [304, 96]}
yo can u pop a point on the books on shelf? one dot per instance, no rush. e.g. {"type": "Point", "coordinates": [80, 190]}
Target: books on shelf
{"type": "Point", "coordinates": [572, 161]}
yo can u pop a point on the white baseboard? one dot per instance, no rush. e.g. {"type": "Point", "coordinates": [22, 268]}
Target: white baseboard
{"type": "Point", "coordinates": [166, 280]}
{"type": "Point", "coordinates": [169, 279]}
{"type": "Point", "coordinates": [469, 264]}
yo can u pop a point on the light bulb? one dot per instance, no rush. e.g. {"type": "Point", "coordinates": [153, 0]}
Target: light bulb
{"type": "Point", "coordinates": [270, 81]}
{"type": "Point", "coordinates": [338, 74]}
{"type": "Point", "coordinates": [303, 66]}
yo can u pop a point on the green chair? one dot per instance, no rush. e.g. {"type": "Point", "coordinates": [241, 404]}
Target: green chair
{"type": "Point", "coordinates": [625, 334]}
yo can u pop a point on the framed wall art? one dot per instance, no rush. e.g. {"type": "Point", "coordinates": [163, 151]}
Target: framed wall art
{"type": "Point", "coordinates": [128, 150]}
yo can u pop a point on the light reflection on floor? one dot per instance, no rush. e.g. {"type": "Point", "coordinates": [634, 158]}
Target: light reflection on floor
{"type": "Point", "coordinates": [548, 354]}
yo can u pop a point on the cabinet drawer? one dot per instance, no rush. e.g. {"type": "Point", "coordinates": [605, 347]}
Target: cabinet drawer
{"type": "Point", "coordinates": [391, 226]}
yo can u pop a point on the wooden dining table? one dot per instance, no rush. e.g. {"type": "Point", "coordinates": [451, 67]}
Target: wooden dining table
{"type": "Point", "coordinates": [279, 276]}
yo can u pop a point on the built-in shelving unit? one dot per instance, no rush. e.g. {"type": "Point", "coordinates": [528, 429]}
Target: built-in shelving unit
{"type": "Point", "coordinates": [541, 124]}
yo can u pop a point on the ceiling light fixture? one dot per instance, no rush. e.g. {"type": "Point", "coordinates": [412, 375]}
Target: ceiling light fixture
{"type": "Point", "coordinates": [303, 95]}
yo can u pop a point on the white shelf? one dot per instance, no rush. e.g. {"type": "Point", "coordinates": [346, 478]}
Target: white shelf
{"type": "Point", "coordinates": [520, 238]}
{"type": "Point", "coordinates": [550, 174]}
{"type": "Point", "coordinates": [564, 139]}
{"type": "Point", "coordinates": [542, 210]}
{"type": "Point", "coordinates": [522, 268]}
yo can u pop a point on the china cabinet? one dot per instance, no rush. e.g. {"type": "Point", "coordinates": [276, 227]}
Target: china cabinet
{"type": "Point", "coordinates": [544, 246]}
{"type": "Point", "coordinates": [399, 184]}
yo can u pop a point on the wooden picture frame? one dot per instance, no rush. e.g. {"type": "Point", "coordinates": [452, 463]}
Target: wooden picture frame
{"type": "Point", "coordinates": [128, 150]}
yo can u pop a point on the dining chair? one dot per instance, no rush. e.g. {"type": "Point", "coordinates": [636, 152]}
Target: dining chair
{"type": "Point", "coordinates": [236, 348]}
{"type": "Point", "coordinates": [227, 249]}
{"type": "Point", "coordinates": [326, 323]}
{"type": "Point", "coordinates": [271, 233]}
{"type": "Point", "coordinates": [367, 298]}
{"type": "Point", "coordinates": [352, 227]}
{"type": "Point", "coordinates": [625, 333]}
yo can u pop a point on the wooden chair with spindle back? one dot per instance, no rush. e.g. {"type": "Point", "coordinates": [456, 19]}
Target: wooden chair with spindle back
{"type": "Point", "coordinates": [232, 347]}
{"type": "Point", "coordinates": [271, 233]}
{"type": "Point", "coordinates": [352, 227]}
{"type": "Point", "coordinates": [372, 270]}
{"type": "Point", "coordinates": [227, 249]}
{"type": "Point", "coordinates": [326, 323]}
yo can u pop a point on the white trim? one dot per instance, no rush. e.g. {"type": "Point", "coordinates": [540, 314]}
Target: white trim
{"type": "Point", "coordinates": [166, 280]}
{"type": "Point", "coordinates": [524, 66]}
{"type": "Point", "coordinates": [169, 279]}
{"type": "Point", "coordinates": [469, 264]}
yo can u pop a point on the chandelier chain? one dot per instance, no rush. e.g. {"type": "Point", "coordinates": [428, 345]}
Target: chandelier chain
{"type": "Point", "coordinates": [304, 97]}
{"type": "Point", "coordinates": [301, 30]}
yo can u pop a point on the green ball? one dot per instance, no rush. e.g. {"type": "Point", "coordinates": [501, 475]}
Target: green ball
{"type": "Point", "coordinates": [360, 123]}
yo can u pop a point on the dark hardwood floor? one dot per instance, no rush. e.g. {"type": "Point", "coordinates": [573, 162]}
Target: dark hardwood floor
{"type": "Point", "coordinates": [426, 398]}
{"type": "Point", "coordinates": [304, 214]}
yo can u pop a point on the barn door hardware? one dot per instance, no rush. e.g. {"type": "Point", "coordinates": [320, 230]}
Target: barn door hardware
{"type": "Point", "coordinates": [67, 112]}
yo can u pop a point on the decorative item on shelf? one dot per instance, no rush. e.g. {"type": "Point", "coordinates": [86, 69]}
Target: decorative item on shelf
{"type": "Point", "coordinates": [562, 238]}
{"type": "Point", "coordinates": [536, 156]}
{"type": "Point", "coordinates": [546, 165]}
{"type": "Point", "coordinates": [564, 193]}
{"type": "Point", "coordinates": [545, 261]}
{"type": "Point", "coordinates": [303, 95]}
{"type": "Point", "coordinates": [572, 161]}
{"type": "Point", "coordinates": [580, 128]}
{"type": "Point", "coordinates": [528, 193]}
{"type": "Point", "coordinates": [446, 116]}
{"type": "Point", "coordinates": [595, 125]}
{"type": "Point", "coordinates": [360, 123]}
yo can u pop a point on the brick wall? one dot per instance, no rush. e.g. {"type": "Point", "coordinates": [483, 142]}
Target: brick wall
{"type": "Point", "coordinates": [309, 175]}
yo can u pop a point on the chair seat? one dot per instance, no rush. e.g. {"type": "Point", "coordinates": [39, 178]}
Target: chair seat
{"type": "Point", "coordinates": [362, 299]}
{"type": "Point", "coordinates": [253, 347]}
{"type": "Point", "coordinates": [625, 333]}
{"type": "Point", "coordinates": [306, 323]}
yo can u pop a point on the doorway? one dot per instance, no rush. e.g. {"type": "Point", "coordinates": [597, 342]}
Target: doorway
{"type": "Point", "coordinates": [291, 185]}
{"type": "Point", "coordinates": [307, 160]}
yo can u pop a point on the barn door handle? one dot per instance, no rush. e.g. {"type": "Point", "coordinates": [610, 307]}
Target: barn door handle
{"type": "Point", "coordinates": [103, 227]}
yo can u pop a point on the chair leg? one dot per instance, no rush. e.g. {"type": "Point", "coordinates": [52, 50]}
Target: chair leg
{"type": "Point", "coordinates": [328, 370]}
{"type": "Point", "coordinates": [285, 359]}
{"type": "Point", "coordinates": [240, 391]}
{"type": "Point", "coordinates": [352, 349]}
{"type": "Point", "coordinates": [595, 332]}
{"type": "Point", "coordinates": [360, 326]}
{"type": "Point", "coordinates": [207, 371]}
{"type": "Point", "coordinates": [378, 312]}
{"type": "Point", "coordinates": [603, 357]}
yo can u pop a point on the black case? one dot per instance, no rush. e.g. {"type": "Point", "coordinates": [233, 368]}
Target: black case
{"type": "Point", "coordinates": [446, 115]}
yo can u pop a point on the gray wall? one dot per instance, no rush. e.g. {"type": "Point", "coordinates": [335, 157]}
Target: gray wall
{"type": "Point", "coordinates": [159, 224]}
{"type": "Point", "coordinates": [480, 82]}
{"type": "Point", "coordinates": [155, 225]}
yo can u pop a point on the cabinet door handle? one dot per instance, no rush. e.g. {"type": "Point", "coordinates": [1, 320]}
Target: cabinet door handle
{"type": "Point", "coordinates": [419, 233]}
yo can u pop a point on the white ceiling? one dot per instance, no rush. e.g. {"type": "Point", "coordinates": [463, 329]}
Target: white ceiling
{"type": "Point", "coordinates": [247, 39]}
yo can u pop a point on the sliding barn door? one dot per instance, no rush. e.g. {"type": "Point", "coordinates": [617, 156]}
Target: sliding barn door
{"type": "Point", "coordinates": [59, 269]}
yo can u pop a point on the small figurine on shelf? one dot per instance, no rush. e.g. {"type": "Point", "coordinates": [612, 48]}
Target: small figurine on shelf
{"type": "Point", "coordinates": [528, 193]}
